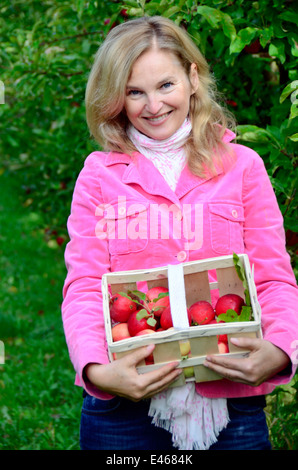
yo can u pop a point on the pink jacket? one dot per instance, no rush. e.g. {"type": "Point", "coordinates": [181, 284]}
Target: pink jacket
{"type": "Point", "coordinates": [235, 211]}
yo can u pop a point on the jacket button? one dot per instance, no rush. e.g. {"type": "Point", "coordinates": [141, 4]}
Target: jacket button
{"type": "Point", "coordinates": [234, 213]}
{"type": "Point", "coordinates": [182, 255]}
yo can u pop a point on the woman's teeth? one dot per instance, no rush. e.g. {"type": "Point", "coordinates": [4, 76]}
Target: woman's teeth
{"type": "Point", "coordinates": [156, 119]}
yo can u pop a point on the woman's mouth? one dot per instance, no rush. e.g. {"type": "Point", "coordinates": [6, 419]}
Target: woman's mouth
{"type": "Point", "coordinates": [158, 119]}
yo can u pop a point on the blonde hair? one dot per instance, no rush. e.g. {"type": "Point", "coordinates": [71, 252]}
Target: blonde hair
{"type": "Point", "coordinates": [106, 89]}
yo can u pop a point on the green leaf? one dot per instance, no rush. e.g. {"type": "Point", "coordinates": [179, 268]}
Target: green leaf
{"type": "Point", "coordinates": [212, 15]}
{"type": "Point", "coordinates": [294, 137]}
{"type": "Point", "coordinates": [142, 314]}
{"type": "Point", "coordinates": [151, 321]}
{"type": "Point", "coordinates": [266, 35]}
{"type": "Point", "coordinates": [228, 26]}
{"type": "Point", "coordinates": [135, 11]}
{"type": "Point", "coordinates": [161, 296]}
{"type": "Point", "coordinates": [241, 274]}
{"type": "Point", "coordinates": [138, 294]}
{"type": "Point", "coordinates": [245, 314]}
{"type": "Point", "coordinates": [243, 38]}
{"type": "Point", "coordinates": [131, 3]}
{"type": "Point", "coordinates": [229, 316]}
{"type": "Point", "coordinates": [294, 111]}
{"type": "Point", "coordinates": [253, 133]}
{"type": "Point", "coordinates": [290, 16]}
{"type": "Point", "coordinates": [124, 294]}
{"type": "Point", "coordinates": [238, 266]}
{"type": "Point", "coordinates": [277, 49]}
{"type": "Point", "coordinates": [171, 11]}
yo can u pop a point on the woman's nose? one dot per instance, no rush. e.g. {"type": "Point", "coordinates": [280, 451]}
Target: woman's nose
{"type": "Point", "coordinates": [153, 104]}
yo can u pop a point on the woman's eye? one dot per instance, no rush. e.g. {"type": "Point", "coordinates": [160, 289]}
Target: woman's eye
{"type": "Point", "coordinates": [134, 92]}
{"type": "Point", "coordinates": [167, 85]}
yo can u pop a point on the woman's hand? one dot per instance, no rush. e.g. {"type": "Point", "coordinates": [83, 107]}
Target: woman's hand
{"type": "Point", "coordinates": [263, 362]}
{"type": "Point", "coordinates": [122, 378]}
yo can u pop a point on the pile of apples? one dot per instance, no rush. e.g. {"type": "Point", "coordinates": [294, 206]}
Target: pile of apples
{"type": "Point", "coordinates": [136, 313]}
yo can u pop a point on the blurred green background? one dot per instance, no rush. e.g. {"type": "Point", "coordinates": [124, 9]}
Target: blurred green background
{"type": "Point", "coordinates": [47, 49]}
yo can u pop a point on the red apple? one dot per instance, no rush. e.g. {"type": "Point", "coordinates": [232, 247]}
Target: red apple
{"type": "Point", "coordinates": [157, 305]}
{"type": "Point", "coordinates": [227, 302]}
{"type": "Point", "coordinates": [166, 321]}
{"type": "Point", "coordinates": [222, 339]}
{"type": "Point", "coordinates": [149, 359]}
{"type": "Point", "coordinates": [147, 331]}
{"type": "Point", "coordinates": [121, 307]}
{"type": "Point", "coordinates": [201, 312]}
{"type": "Point", "coordinates": [120, 331]}
{"type": "Point", "coordinates": [223, 348]}
{"type": "Point", "coordinates": [140, 320]}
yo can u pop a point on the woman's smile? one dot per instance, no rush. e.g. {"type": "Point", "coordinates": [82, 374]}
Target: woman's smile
{"type": "Point", "coordinates": [157, 119]}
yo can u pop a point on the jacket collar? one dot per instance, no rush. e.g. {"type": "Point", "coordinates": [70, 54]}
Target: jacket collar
{"type": "Point", "coordinates": [140, 170]}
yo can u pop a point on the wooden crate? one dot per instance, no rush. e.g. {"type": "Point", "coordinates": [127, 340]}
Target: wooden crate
{"type": "Point", "coordinates": [187, 283]}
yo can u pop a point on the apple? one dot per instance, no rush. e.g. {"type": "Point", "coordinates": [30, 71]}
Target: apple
{"type": "Point", "coordinates": [223, 348]}
{"type": "Point", "coordinates": [222, 339]}
{"type": "Point", "coordinates": [149, 359]}
{"type": "Point", "coordinates": [201, 312]}
{"type": "Point", "coordinates": [120, 331]}
{"type": "Point", "coordinates": [166, 321]}
{"type": "Point", "coordinates": [140, 320]}
{"type": "Point", "coordinates": [188, 372]}
{"type": "Point", "coordinates": [184, 347]}
{"type": "Point", "coordinates": [121, 307]}
{"type": "Point", "coordinates": [229, 302]}
{"type": "Point", "coordinates": [147, 331]}
{"type": "Point", "coordinates": [155, 304]}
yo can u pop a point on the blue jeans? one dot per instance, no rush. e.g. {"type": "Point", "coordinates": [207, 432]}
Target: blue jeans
{"type": "Point", "coordinates": [120, 424]}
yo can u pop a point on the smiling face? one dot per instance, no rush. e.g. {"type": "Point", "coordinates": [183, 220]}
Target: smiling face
{"type": "Point", "coordinates": [158, 93]}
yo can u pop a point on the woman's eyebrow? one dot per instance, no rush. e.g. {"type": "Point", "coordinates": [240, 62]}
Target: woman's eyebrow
{"type": "Point", "coordinates": [159, 83]}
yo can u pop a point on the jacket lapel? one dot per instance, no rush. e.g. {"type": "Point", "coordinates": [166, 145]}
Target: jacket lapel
{"type": "Point", "coordinates": [140, 170]}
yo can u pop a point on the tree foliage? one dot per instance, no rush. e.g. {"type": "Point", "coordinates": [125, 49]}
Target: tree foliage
{"type": "Point", "coordinates": [46, 54]}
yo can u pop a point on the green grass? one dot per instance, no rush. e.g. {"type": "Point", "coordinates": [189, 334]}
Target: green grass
{"type": "Point", "coordinates": [39, 405]}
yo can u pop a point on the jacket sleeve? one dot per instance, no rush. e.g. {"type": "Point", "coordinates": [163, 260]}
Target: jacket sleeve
{"type": "Point", "coordinates": [86, 259]}
{"type": "Point", "coordinates": [264, 240]}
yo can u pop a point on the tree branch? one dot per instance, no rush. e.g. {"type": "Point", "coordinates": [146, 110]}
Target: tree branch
{"type": "Point", "coordinates": [87, 33]}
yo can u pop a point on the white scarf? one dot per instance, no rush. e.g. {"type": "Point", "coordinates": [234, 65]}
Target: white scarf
{"type": "Point", "coordinates": [167, 155]}
{"type": "Point", "coordinates": [193, 420]}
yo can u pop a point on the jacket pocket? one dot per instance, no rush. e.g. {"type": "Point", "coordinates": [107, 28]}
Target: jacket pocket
{"type": "Point", "coordinates": [127, 226]}
{"type": "Point", "coordinates": [226, 227]}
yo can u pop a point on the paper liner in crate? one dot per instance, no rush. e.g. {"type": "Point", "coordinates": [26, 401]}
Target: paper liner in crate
{"type": "Point", "coordinates": [187, 283]}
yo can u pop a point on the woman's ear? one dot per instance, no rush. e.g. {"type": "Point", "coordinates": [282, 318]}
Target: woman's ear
{"type": "Point", "coordinates": [194, 77]}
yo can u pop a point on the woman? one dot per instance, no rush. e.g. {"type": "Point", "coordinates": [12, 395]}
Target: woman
{"type": "Point", "coordinates": [151, 103]}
